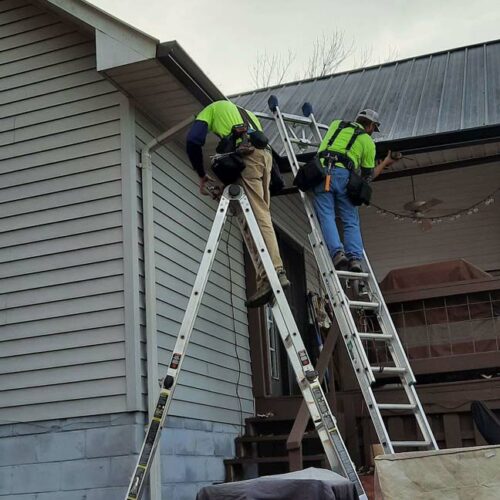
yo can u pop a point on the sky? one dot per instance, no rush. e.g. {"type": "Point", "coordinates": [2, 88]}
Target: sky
{"type": "Point", "coordinates": [225, 38]}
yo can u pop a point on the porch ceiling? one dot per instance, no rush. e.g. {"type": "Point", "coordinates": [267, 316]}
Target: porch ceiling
{"type": "Point", "coordinates": [422, 162]}
{"type": "Point", "coordinates": [443, 159]}
{"type": "Point", "coordinates": [168, 88]}
{"type": "Point", "coordinates": [155, 91]}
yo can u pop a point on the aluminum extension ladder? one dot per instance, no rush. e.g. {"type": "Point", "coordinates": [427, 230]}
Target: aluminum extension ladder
{"type": "Point", "coordinates": [288, 125]}
{"type": "Point", "coordinates": [307, 377]}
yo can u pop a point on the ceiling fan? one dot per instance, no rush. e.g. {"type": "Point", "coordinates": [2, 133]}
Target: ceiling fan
{"type": "Point", "coordinates": [419, 209]}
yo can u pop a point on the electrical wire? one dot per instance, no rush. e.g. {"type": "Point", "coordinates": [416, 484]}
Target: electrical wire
{"type": "Point", "coordinates": [472, 209]}
{"type": "Point", "coordinates": [230, 219]}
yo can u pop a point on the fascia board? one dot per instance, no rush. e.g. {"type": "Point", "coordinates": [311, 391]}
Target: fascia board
{"type": "Point", "coordinates": [117, 34]}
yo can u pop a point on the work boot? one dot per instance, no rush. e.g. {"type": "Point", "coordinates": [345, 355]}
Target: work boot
{"type": "Point", "coordinates": [264, 294]}
{"type": "Point", "coordinates": [340, 261]}
{"type": "Point", "coordinates": [283, 279]}
{"type": "Point", "coordinates": [355, 266]}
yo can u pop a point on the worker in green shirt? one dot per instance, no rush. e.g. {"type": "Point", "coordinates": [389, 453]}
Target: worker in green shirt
{"type": "Point", "coordinates": [221, 118]}
{"type": "Point", "coordinates": [352, 147]}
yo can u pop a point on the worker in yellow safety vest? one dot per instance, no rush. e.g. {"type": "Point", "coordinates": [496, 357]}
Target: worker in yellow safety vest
{"type": "Point", "coordinates": [240, 129]}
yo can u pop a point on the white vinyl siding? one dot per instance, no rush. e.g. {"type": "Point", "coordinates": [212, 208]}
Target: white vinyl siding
{"type": "Point", "coordinates": [215, 383]}
{"type": "Point", "coordinates": [62, 345]}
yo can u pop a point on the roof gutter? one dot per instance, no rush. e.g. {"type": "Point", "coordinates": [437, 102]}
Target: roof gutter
{"type": "Point", "coordinates": [178, 62]}
{"type": "Point", "coordinates": [440, 141]}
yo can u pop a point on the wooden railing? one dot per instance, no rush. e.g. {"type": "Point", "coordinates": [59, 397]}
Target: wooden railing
{"type": "Point", "coordinates": [294, 442]}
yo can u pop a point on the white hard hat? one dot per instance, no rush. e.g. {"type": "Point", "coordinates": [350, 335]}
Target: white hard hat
{"type": "Point", "coordinates": [371, 115]}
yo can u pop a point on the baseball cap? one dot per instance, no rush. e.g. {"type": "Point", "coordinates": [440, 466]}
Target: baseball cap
{"type": "Point", "coordinates": [371, 115]}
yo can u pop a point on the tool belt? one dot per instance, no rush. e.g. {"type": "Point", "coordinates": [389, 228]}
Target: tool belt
{"type": "Point", "coordinates": [230, 164]}
{"type": "Point", "coordinates": [310, 175]}
{"type": "Point", "coordinates": [238, 144]}
{"type": "Point", "coordinates": [358, 188]}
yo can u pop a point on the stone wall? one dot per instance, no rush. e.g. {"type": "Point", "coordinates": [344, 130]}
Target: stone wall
{"type": "Point", "coordinates": [92, 458]}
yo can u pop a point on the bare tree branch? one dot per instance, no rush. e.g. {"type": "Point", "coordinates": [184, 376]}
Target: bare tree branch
{"type": "Point", "coordinates": [391, 55]}
{"type": "Point", "coordinates": [271, 69]}
{"type": "Point", "coordinates": [329, 52]}
{"type": "Point", "coordinates": [364, 57]}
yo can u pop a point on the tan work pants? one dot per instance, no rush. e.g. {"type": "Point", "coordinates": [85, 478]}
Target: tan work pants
{"type": "Point", "coordinates": [255, 180]}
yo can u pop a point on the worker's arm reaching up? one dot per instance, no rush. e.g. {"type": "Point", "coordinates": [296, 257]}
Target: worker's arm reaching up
{"type": "Point", "coordinates": [388, 160]}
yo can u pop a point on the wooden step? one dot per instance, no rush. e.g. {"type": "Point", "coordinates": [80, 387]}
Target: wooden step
{"type": "Point", "coordinates": [257, 426]}
{"type": "Point", "coordinates": [269, 444]}
{"type": "Point", "coordinates": [273, 437]}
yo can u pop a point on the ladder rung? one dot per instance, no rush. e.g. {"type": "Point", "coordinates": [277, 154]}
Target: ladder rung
{"type": "Point", "coordinates": [363, 305]}
{"type": "Point", "coordinates": [387, 369]}
{"type": "Point", "coordinates": [391, 406]}
{"type": "Point", "coordinates": [375, 336]}
{"type": "Point", "coordinates": [349, 274]}
{"type": "Point", "coordinates": [410, 444]}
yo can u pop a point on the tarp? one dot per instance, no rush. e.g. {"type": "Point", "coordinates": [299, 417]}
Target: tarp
{"type": "Point", "coordinates": [308, 484]}
{"type": "Point", "coordinates": [436, 273]}
{"type": "Point", "coordinates": [455, 474]}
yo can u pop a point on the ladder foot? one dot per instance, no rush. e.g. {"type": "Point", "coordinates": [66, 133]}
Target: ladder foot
{"type": "Point", "coordinates": [234, 190]}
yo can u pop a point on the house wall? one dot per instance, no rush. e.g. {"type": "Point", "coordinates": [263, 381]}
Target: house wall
{"type": "Point", "coordinates": [69, 459]}
{"type": "Point", "coordinates": [218, 359]}
{"type": "Point", "coordinates": [93, 457]}
{"type": "Point", "coordinates": [61, 231]}
{"type": "Point", "coordinates": [71, 272]}
{"type": "Point", "coordinates": [392, 244]}
{"type": "Point", "coordinates": [214, 393]}
{"type": "Point", "coordinates": [68, 357]}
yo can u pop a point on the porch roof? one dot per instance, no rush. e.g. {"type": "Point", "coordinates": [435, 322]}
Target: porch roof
{"type": "Point", "coordinates": [450, 91]}
{"type": "Point", "coordinates": [443, 109]}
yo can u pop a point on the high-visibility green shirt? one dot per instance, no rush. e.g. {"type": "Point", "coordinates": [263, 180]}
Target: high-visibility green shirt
{"type": "Point", "coordinates": [221, 116]}
{"type": "Point", "coordinates": [362, 152]}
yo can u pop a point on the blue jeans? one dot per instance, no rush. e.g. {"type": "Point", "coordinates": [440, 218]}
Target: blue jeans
{"type": "Point", "coordinates": [326, 204]}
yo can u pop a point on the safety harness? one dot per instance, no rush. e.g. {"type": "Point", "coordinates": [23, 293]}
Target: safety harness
{"type": "Point", "coordinates": [333, 157]}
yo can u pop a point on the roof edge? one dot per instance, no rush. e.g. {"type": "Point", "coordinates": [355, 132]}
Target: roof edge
{"type": "Point", "coordinates": [183, 67]}
{"type": "Point", "coordinates": [364, 68]}
{"type": "Point", "coordinates": [98, 22]}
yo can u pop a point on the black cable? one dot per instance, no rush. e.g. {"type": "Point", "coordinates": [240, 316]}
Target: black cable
{"type": "Point", "coordinates": [413, 189]}
{"type": "Point", "coordinates": [230, 218]}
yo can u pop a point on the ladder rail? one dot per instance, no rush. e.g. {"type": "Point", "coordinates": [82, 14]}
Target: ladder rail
{"type": "Point", "coordinates": [334, 291]}
{"type": "Point", "coordinates": [153, 433]}
{"type": "Point", "coordinates": [352, 342]}
{"type": "Point", "coordinates": [331, 280]}
{"type": "Point", "coordinates": [293, 119]}
{"type": "Point", "coordinates": [307, 377]}
{"type": "Point", "coordinates": [399, 353]}
{"type": "Point", "coordinates": [333, 287]}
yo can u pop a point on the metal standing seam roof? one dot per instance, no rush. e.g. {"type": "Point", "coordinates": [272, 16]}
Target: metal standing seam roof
{"type": "Point", "coordinates": [447, 91]}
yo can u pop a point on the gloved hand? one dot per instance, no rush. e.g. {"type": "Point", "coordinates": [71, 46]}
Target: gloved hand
{"type": "Point", "coordinates": [390, 158]}
{"type": "Point", "coordinates": [203, 185]}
